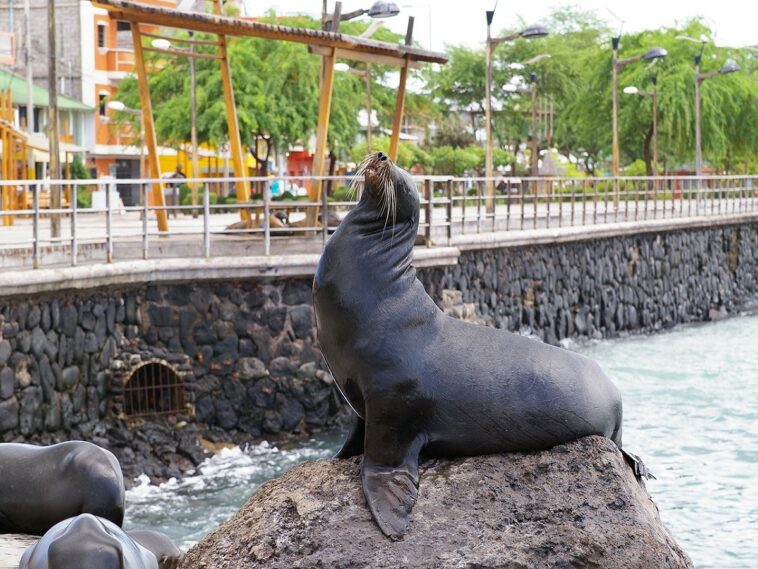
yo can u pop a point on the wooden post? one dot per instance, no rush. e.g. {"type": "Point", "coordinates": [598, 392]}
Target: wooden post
{"type": "Point", "coordinates": [52, 122]}
{"type": "Point", "coordinates": [397, 119]}
{"type": "Point", "coordinates": [322, 128]}
{"type": "Point", "coordinates": [235, 142]}
{"type": "Point", "coordinates": [150, 141]}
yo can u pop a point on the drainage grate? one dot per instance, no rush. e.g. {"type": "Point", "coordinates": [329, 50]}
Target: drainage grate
{"type": "Point", "coordinates": [154, 388]}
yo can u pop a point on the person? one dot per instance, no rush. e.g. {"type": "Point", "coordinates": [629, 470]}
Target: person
{"type": "Point", "coordinates": [171, 192]}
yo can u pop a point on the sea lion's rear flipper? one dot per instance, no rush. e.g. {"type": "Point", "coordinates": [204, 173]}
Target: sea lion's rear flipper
{"type": "Point", "coordinates": [353, 445]}
{"type": "Point", "coordinates": [638, 467]}
{"type": "Point", "coordinates": [389, 474]}
{"type": "Point", "coordinates": [391, 495]}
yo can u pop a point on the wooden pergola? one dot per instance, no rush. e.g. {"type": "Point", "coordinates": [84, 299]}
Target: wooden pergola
{"type": "Point", "coordinates": [328, 44]}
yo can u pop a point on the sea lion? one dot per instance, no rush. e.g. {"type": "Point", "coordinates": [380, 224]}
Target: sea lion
{"type": "Point", "coordinates": [42, 485]}
{"type": "Point", "coordinates": [422, 381]}
{"type": "Point", "coordinates": [87, 542]}
{"type": "Point", "coordinates": [160, 545]}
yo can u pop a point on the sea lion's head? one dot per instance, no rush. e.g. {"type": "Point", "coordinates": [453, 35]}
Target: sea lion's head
{"type": "Point", "coordinates": [389, 189]}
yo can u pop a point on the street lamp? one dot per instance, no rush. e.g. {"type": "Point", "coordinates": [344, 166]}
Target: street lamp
{"type": "Point", "coordinates": [652, 54]}
{"type": "Point", "coordinates": [654, 96]}
{"type": "Point", "coordinates": [366, 74]}
{"type": "Point", "coordinates": [379, 9]}
{"type": "Point", "coordinates": [729, 67]}
{"type": "Point", "coordinates": [532, 90]}
{"type": "Point", "coordinates": [165, 45]}
{"type": "Point", "coordinates": [530, 32]}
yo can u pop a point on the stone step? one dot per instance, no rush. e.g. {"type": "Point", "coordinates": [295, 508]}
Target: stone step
{"type": "Point", "coordinates": [12, 547]}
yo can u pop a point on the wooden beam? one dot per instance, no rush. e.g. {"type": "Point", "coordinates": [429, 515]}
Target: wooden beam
{"type": "Point", "coordinates": [322, 127]}
{"type": "Point", "coordinates": [365, 57]}
{"type": "Point", "coordinates": [397, 118]}
{"type": "Point", "coordinates": [235, 141]}
{"type": "Point", "coordinates": [151, 142]}
{"type": "Point", "coordinates": [174, 39]}
{"type": "Point", "coordinates": [215, 23]}
{"type": "Point", "coordinates": [182, 53]}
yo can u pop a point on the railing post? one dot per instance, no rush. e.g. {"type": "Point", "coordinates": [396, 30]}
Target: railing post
{"type": "Point", "coordinates": [324, 214]}
{"type": "Point", "coordinates": [108, 221]}
{"type": "Point", "coordinates": [145, 212]}
{"type": "Point", "coordinates": [74, 244]}
{"type": "Point", "coordinates": [35, 226]}
{"type": "Point", "coordinates": [479, 206]}
{"type": "Point", "coordinates": [594, 205]}
{"type": "Point", "coordinates": [206, 221]}
{"type": "Point", "coordinates": [464, 197]}
{"type": "Point", "coordinates": [449, 211]}
{"type": "Point", "coordinates": [266, 220]}
{"type": "Point", "coordinates": [584, 201]}
{"type": "Point", "coordinates": [560, 203]}
{"type": "Point", "coordinates": [573, 199]}
{"type": "Point", "coordinates": [428, 190]}
{"type": "Point", "coordinates": [507, 205]}
{"type": "Point", "coordinates": [605, 212]}
{"type": "Point", "coordinates": [548, 196]}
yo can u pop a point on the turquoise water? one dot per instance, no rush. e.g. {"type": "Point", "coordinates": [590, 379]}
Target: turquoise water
{"type": "Point", "coordinates": [690, 410]}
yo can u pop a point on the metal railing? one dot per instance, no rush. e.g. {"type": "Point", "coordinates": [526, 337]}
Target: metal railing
{"type": "Point", "coordinates": [121, 226]}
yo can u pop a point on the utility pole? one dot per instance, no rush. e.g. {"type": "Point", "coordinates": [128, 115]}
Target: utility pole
{"type": "Point", "coordinates": [488, 143]}
{"type": "Point", "coordinates": [193, 130]}
{"type": "Point", "coordinates": [29, 73]}
{"type": "Point", "coordinates": [55, 167]}
{"type": "Point", "coordinates": [535, 157]}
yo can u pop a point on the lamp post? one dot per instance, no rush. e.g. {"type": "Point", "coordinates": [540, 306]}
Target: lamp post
{"type": "Point", "coordinates": [653, 94]}
{"type": "Point", "coordinates": [379, 9]}
{"type": "Point", "coordinates": [511, 88]}
{"type": "Point", "coordinates": [729, 67]}
{"type": "Point", "coordinates": [618, 64]}
{"type": "Point", "coordinates": [366, 74]}
{"type": "Point", "coordinates": [164, 44]}
{"type": "Point", "coordinates": [531, 32]}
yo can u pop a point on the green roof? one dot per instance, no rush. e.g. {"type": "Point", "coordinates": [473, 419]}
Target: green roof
{"type": "Point", "coordinates": [40, 97]}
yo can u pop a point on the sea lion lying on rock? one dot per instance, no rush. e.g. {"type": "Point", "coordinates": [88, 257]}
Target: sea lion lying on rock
{"type": "Point", "coordinates": [42, 485]}
{"type": "Point", "coordinates": [87, 542]}
{"type": "Point", "coordinates": [161, 545]}
{"type": "Point", "coordinates": [422, 381]}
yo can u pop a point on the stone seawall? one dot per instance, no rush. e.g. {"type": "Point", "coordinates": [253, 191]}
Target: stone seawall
{"type": "Point", "coordinates": [247, 350]}
{"type": "Point", "coordinates": [606, 287]}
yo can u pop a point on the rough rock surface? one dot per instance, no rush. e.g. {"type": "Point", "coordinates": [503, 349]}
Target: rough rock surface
{"type": "Point", "coordinates": [577, 505]}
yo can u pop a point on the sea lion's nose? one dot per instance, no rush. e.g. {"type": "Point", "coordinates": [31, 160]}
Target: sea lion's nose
{"type": "Point", "coordinates": [381, 156]}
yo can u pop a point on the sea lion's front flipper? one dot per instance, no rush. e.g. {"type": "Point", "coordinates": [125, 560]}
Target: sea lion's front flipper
{"type": "Point", "coordinates": [353, 444]}
{"type": "Point", "coordinates": [389, 474]}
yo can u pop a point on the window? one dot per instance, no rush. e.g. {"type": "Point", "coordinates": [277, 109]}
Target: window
{"type": "Point", "coordinates": [122, 26]}
{"type": "Point", "coordinates": [154, 388]}
{"type": "Point", "coordinates": [101, 103]}
{"type": "Point", "coordinates": [101, 35]}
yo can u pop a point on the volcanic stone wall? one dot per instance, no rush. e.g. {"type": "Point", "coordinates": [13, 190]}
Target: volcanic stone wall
{"type": "Point", "coordinates": [248, 349]}
{"type": "Point", "coordinates": [606, 287]}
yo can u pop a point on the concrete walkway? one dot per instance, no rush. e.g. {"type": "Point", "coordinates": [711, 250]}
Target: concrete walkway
{"type": "Point", "coordinates": [186, 236]}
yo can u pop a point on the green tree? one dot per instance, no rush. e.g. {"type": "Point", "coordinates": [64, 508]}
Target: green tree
{"type": "Point", "coordinates": [276, 88]}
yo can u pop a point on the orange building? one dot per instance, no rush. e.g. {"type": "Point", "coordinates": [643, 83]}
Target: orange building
{"type": "Point", "coordinates": [112, 58]}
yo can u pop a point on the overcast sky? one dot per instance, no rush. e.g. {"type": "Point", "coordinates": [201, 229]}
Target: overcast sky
{"type": "Point", "coordinates": [463, 21]}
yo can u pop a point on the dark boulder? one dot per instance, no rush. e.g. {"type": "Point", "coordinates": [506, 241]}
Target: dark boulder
{"type": "Point", "coordinates": [577, 505]}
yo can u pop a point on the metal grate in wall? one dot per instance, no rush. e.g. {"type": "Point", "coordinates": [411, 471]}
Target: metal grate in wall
{"type": "Point", "coordinates": [154, 388]}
